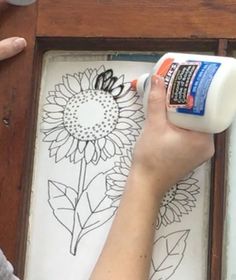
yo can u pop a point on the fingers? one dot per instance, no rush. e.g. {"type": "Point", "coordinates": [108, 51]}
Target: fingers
{"type": "Point", "coordinates": [157, 99]}
{"type": "Point", "coordinates": [11, 46]}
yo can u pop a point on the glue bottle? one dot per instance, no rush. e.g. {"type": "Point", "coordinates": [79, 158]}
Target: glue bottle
{"type": "Point", "coordinates": [201, 90]}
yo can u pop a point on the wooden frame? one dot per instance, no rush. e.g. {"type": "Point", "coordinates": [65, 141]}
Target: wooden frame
{"type": "Point", "coordinates": [19, 79]}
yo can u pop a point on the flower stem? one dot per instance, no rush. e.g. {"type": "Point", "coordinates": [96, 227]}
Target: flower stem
{"type": "Point", "coordinates": [82, 175]}
{"type": "Point", "coordinates": [76, 223]}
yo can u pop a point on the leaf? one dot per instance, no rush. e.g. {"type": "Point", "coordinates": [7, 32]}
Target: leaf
{"type": "Point", "coordinates": [171, 249]}
{"type": "Point", "coordinates": [92, 210]}
{"type": "Point", "coordinates": [62, 200]}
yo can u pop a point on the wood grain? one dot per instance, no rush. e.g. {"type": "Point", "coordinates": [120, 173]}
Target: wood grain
{"type": "Point", "coordinates": [15, 107]}
{"type": "Point", "coordinates": [217, 204]}
{"type": "Point", "coordinates": [146, 25]}
{"type": "Point", "coordinates": [137, 19]}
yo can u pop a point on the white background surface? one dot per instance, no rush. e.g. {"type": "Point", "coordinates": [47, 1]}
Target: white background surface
{"type": "Point", "coordinates": [48, 254]}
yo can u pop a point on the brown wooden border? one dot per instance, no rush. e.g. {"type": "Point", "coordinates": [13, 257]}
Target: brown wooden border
{"type": "Point", "coordinates": [217, 203]}
{"type": "Point", "coordinates": [217, 190]}
{"type": "Point", "coordinates": [15, 103]}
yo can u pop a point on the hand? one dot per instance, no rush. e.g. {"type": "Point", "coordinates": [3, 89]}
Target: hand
{"type": "Point", "coordinates": [11, 46]}
{"type": "Point", "coordinates": [165, 153]}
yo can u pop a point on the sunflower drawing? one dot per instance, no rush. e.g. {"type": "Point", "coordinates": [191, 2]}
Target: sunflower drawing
{"type": "Point", "coordinates": [89, 117]}
{"type": "Point", "coordinates": [179, 200]}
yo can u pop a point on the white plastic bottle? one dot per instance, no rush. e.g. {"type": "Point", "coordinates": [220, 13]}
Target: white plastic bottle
{"type": "Point", "coordinates": [201, 90]}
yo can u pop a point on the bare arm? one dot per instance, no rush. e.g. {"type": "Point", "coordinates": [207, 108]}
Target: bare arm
{"type": "Point", "coordinates": [162, 156]}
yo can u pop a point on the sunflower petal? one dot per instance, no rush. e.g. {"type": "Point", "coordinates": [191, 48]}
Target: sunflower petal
{"type": "Point", "coordinates": [52, 93]}
{"type": "Point", "coordinates": [188, 195]}
{"type": "Point", "coordinates": [54, 121]}
{"type": "Point", "coordinates": [60, 101]}
{"type": "Point", "coordinates": [103, 156]}
{"type": "Point", "coordinates": [131, 137]}
{"type": "Point", "coordinates": [73, 84]}
{"type": "Point", "coordinates": [117, 91]}
{"type": "Point", "coordinates": [165, 222]}
{"type": "Point", "coordinates": [193, 188]}
{"type": "Point", "coordinates": [122, 125]}
{"type": "Point", "coordinates": [124, 165]}
{"type": "Point", "coordinates": [63, 149]}
{"type": "Point", "coordinates": [51, 99]}
{"type": "Point", "coordinates": [117, 188]}
{"type": "Point", "coordinates": [55, 143]}
{"type": "Point", "coordinates": [50, 126]}
{"type": "Point", "coordinates": [78, 156]}
{"type": "Point", "coordinates": [57, 115]}
{"type": "Point", "coordinates": [181, 196]}
{"type": "Point", "coordinates": [72, 148]}
{"type": "Point", "coordinates": [127, 113]}
{"type": "Point", "coordinates": [122, 137]}
{"type": "Point", "coordinates": [125, 171]}
{"type": "Point", "coordinates": [128, 103]}
{"type": "Point", "coordinates": [180, 206]}
{"type": "Point", "coordinates": [128, 96]}
{"type": "Point", "coordinates": [53, 152]}
{"type": "Point", "coordinates": [53, 108]}
{"type": "Point", "coordinates": [63, 134]}
{"type": "Point", "coordinates": [84, 82]}
{"type": "Point", "coordinates": [101, 69]}
{"type": "Point", "coordinates": [110, 148]}
{"type": "Point", "coordinates": [132, 123]}
{"type": "Point", "coordinates": [89, 152]}
{"type": "Point", "coordinates": [175, 209]}
{"type": "Point", "coordinates": [97, 154]}
{"type": "Point", "coordinates": [116, 203]}
{"type": "Point", "coordinates": [119, 81]}
{"type": "Point", "coordinates": [60, 95]}
{"type": "Point", "coordinates": [169, 215]}
{"type": "Point", "coordinates": [117, 177]}
{"type": "Point", "coordinates": [101, 142]}
{"type": "Point", "coordinates": [93, 79]}
{"type": "Point", "coordinates": [118, 150]}
{"type": "Point", "coordinates": [112, 193]}
{"type": "Point", "coordinates": [162, 210]}
{"type": "Point", "coordinates": [82, 145]}
{"type": "Point", "coordinates": [52, 135]}
{"type": "Point", "coordinates": [64, 91]}
{"type": "Point", "coordinates": [137, 114]}
{"type": "Point", "coordinates": [191, 203]}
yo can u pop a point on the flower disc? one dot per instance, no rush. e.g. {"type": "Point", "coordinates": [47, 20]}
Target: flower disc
{"type": "Point", "coordinates": [91, 115]}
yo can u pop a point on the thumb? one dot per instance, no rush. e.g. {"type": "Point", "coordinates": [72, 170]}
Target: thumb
{"type": "Point", "coordinates": [11, 46]}
{"type": "Point", "coordinates": [157, 99]}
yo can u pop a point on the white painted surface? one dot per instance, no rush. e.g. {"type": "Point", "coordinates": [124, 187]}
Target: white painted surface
{"type": "Point", "coordinates": [181, 242]}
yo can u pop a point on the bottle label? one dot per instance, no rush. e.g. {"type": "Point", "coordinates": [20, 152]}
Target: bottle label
{"type": "Point", "coordinates": [187, 84]}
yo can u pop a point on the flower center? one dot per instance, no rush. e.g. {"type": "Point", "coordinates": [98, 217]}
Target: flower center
{"type": "Point", "coordinates": [91, 114]}
{"type": "Point", "coordinates": [169, 196]}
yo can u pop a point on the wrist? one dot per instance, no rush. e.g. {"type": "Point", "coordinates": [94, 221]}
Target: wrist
{"type": "Point", "coordinates": [147, 183]}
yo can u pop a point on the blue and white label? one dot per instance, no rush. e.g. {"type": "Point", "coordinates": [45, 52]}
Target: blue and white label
{"type": "Point", "coordinates": [188, 87]}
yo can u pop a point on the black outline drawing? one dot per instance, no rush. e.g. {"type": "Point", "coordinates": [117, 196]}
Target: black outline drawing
{"type": "Point", "coordinates": [87, 141]}
{"type": "Point", "coordinates": [86, 144]}
{"type": "Point", "coordinates": [171, 249]}
{"type": "Point", "coordinates": [178, 201]}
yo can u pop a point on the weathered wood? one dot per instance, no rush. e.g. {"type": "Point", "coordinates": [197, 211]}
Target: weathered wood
{"type": "Point", "coordinates": [217, 204]}
{"type": "Point", "coordinates": [94, 25]}
{"type": "Point", "coordinates": [137, 19]}
{"type": "Point", "coordinates": [15, 107]}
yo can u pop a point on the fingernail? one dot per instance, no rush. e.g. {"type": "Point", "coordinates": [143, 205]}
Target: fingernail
{"type": "Point", "coordinates": [155, 79]}
{"type": "Point", "coordinates": [19, 44]}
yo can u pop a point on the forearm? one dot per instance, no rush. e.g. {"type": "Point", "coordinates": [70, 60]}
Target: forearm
{"type": "Point", "coordinates": [128, 249]}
